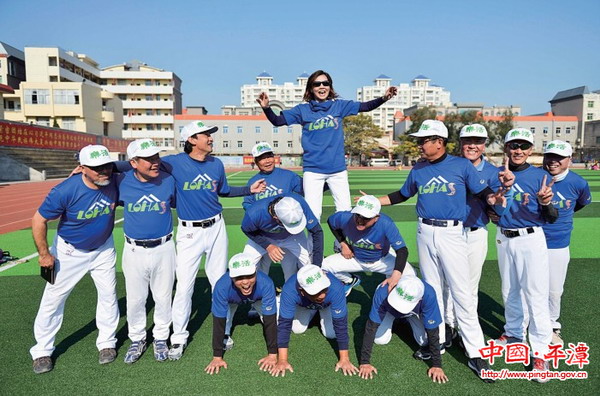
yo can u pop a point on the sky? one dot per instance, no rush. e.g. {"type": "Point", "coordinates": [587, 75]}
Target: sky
{"type": "Point", "coordinates": [497, 53]}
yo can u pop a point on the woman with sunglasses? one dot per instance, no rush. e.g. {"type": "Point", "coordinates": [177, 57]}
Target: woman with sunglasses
{"type": "Point", "coordinates": [321, 117]}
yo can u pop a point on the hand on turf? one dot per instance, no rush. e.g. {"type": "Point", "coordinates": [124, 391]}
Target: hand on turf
{"type": "Point", "coordinates": [215, 365]}
{"type": "Point", "coordinates": [263, 99]}
{"type": "Point", "coordinates": [506, 177]}
{"type": "Point", "coordinates": [346, 252]}
{"type": "Point", "coordinates": [390, 93]}
{"type": "Point", "coordinates": [437, 375]}
{"type": "Point", "coordinates": [392, 281]}
{"type": "Point", "coordinates": [258, 186]}
{"type": "Point", "coordinates": [280, 368]}
{"type": "Point", "coordinates": [544, 196]}
{"type": "Point", "coordinates": [275, 253]}
{"type": "Point", "coordinates": [268, 362]}
{"type": "Point", "coordinates": [347, 367]}
{"type": "Point", "coordinates": [366, 371]}
{"type": "Point", "coordinates": [46, 260]}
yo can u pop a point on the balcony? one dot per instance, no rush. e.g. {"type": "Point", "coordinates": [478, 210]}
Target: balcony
{"type": "Point", "coordinates": [108, 114]}
{"type": "Point", "coordinates": [144, 119]}
{"type": "Point", "coordinates": [139, 89]}
{"type": "Point", "coordinates": [148, 104]}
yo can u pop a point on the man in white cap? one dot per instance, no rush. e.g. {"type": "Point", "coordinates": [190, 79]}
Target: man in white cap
{"type": "Point", "coordinates": [472, 140]}
{"type": "Point", "coordinates": [147, 195]}
{"type": "Point", "coordinates": [414, 301]}
{"type": "Point", "coordinates": [441, 182]}
{"type": "Point", "coordinates": [305, 293]}
{"type": "Point", "coordinates": [243, 284]}
{"type": "Point", "coordinates": [85, 204]}
{"type": "Point", "coordinates": [571, 193]}
{"type": "Point", "coordinates": [278, 181]}
{"type": "Point", "coordinates": [369, 241]}
{"type": "Point", "coordinates": [200, 180]}
{"type": "Point", "coordinates": [275, 227]}
{"type": "Point", "coordinates": [522, 251]}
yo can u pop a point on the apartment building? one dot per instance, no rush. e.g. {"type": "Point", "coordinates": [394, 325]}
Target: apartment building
{"type": "Point", "coordinates": [419, 92]}
{"type": "Point", "coordinates": [282, 96]}
{"type": "Point", "coordinates": [581, 103]}
{"type": "Point", "coordinates": [151, 98]}
{"type": "Point", "coordinates": [12, 66]}
{"type": "Point", "coordinates": [238, 134]}
{"type": "Point", "coordinates": [63, 89]}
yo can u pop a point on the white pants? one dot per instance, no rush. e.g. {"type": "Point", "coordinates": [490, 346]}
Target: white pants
{"type": "Point", "coordinates": [149, 267]}
{"type": "Point", "coordinates": [338, 185]}
{"type": "Point", "coordinates": [303, 317]}
{"type": "Point", "coordinates": [192, 244]}
{"type": "Point", "coordinates": [477, 247]}
{"type": "Point", "coordinates": [384, 332]}
{"type": "Point", "coordinates": [342, 267]}
{"type": "Point", "coordinates": [558, 264]}
{"type": "Point", "coordinates": [523, 264]}
{"type": "Point", "coordinates": [233, 308]}
{"type": "Point", "coordinates": [443, 259]}
{"type": "Point", "coordinates": [296, 254]}
{"type": "Point", "coordinates": [71, 265]}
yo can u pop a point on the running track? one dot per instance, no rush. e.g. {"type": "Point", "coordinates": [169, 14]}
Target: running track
{"type": "Point", "coordinates": [19, 203]}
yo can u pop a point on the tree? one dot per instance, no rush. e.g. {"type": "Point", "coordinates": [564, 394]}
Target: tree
{"type": "Point", "coordinates": [407, 147]}
{"type": "Point", "coordinates": [359, 135]}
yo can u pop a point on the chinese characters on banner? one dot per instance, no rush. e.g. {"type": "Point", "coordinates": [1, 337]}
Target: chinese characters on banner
{"type": "Point", "coordinates": [574, 355]}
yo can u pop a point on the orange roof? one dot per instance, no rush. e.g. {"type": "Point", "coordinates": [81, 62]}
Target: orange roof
{"type": "Point", "coordinates": [221, 117]}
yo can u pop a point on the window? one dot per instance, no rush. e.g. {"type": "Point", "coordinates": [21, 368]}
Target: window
{"type": "Point", "coordinates": [225, 143]}
{"type": "Point", "coordinates": [68, 123]}
{"type": "Point", "coordinates": [148, 97]}
{"type": "Point", "coordinates": [532, 130]}
{"type": "Point", "coordinates": [568, 130]}
{"type": "Point", "coordinates": [43, 121]}
{"type": "Point", "coordinates": [597, 139]}
{"type": "Point", "coordinates": [240, 144]}
{"type": "Point", "coordinates": [148, 83]}
{"type": "Point", "coordinates": [558, 130]}
{"type": "Point", "coordinates": [66, 96]}
{"type": "Point", "coordinates": [121, 82]}
{"type": "Point", "coordinates": [52, 61]}
{"type": "Point", "coordinates": [149, 112]}
{"type": "Point", "coordinates": [169, 142]}
{"type": "Point", "coordinates": [289, 144]}
{"type": "Point", "coordinates": [53, 78]}
{"type": "Point", "coordinates": [37, 96]}
{"type": "Point", "coordinates": [240, 130]}
{"type": "Point", "coordinates": [275, 129]}
{"type": "Point", "coordinates": [545, 130]}
{"type": "Point", "coordinates": [257, 129]}
{"type": "Point", "coordinates": [122, 96]}
{"type": "Point", "coordinates": [544, 144]}
{"type": "Point", "coordinates": [275, 144]}
{"type": "Point", "coordinates": [157, 83]}
{"type": "Point", "coordinates": [590, 116]}
{"type": "Point", "coordinates": [149, 127]}
{"type": "Point", "coordinates": [590, 104]}
{"type": "Point", "coordinates": [289, 129]}
{"type": "Point", "coordinates": [225, 129]}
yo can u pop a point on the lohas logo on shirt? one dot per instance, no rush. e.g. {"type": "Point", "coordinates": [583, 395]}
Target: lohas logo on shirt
{"type": "Point", "coordinates": [562, 203]}
{"type": "Point", "coordinates": [98, 208]}
{"type": "Point", "coordinates": [271, 191]}
{"type": "Point", "coordinates": [520, 195]}
{"type": "Point", "coordinates": [201, 182]}
{"type": "Point", "coordinates": [324, 122]}
{"type": "Point", "coordinates": [148, 203]}
{"type": "Point", "coordinates": [364, 243]}
{"type": "Point", "coordinates": [438, 185]}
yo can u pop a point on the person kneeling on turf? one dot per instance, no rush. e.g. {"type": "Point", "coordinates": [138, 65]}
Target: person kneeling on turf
{"type": "Point", "coordinates": [243, 284]}
{"type": "Point", "coordinates": [416, 302]}
{"type": "Point", "coordinates": [307, 291]}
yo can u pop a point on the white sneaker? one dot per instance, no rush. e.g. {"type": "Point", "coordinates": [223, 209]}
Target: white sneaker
{"type": "Point", "coordinates": [227, 343]}
{"type": "Point", "coordinates": [556, 337]}
{"type": "Point", "coordinates": [176, 351]}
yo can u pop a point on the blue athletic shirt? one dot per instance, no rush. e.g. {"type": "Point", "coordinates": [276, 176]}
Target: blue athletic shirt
{"type": "Point", "coordinates": [257, 218]}
{"type": "Point", "coordinates": [279, 181]}
{"type": "Point", "coordinates": [477, 215]}
{"type": "Point", "coordinates": [226, 293]}
{"type": "Point", "coordinates": [567, 192]}
{"type": "Point", "coordinates": [322, 133]}
{"type": "Point", "coordinates": [199, 184]}
{"type": "Point", "coordinates": [87, 216]}
{"type": "Point", "coordinates": [427, 309]}
{"type": "Point", "coordinates": [147, 206]}
{"type": "Point", "coordinates": [372, 243]}
{"type": "Point", "coordinates": [290, 298]}
{"type": "Point", "coordinates": [442, 187]}
{"type": "Point", "coordinates": [525, 211]}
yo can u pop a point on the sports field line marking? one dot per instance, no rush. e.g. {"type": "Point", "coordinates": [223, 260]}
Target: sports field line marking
{"type": "Point", "coordinates": [233, 174]}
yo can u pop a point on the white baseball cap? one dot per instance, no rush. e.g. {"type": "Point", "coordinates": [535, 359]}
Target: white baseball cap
{"type": "Point", "coordinates": [261, 148]}
{"type": "Point", "coordinates": [94, 155]}
{"type": "Point", "coordinates": [407, 294]}
{"type": "Point", "coordinates": [367, 206]}
{"type": "Point", "coordinates": [196, 127]}
{"type": "Point", "coordinates": [142, 148]}
{"type": "Point", "coordinates": [241, 264]}
{"type": "Point", "coordinates": [291, 215]}
{"type": "Point", "coordinates": [519, 134]}
{"type": "Point", "coordinates": [559, 147]}
{"type": "Point", "coordinates": [473, 130]}
{"type": "Point", "coordinates": [312, 279]}
{"type": "Point", "coordinates": [431, 128]}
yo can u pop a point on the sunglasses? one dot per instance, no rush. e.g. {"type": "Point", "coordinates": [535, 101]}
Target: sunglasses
{"type": "Point", "coordinates": [100, 168]}
{"type": "Point", "coordinates": [422, 141]}
{"type": "Point", "coordinates": [324, 83]}
{"type": "Point", "coordinates": [522, 146]}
